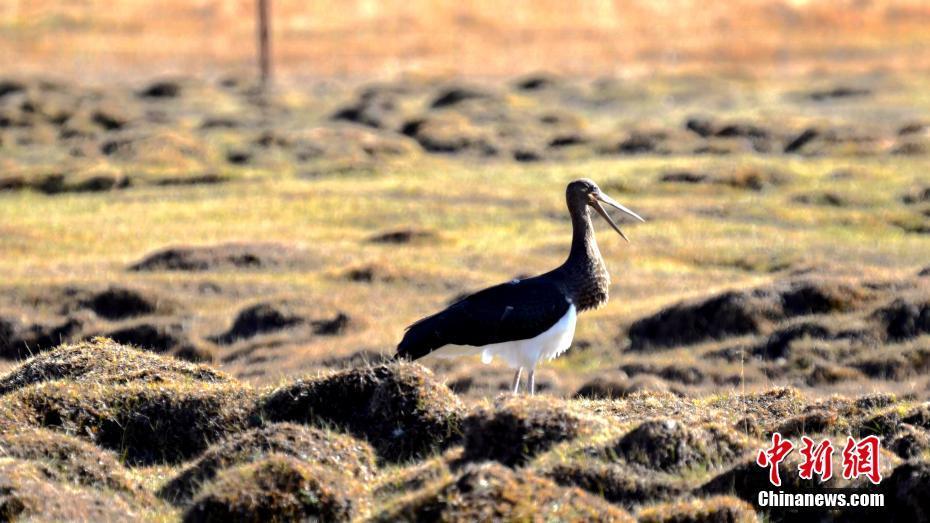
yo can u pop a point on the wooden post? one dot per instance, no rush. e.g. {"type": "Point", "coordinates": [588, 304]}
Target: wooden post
{"type": "Point", "coordinates": [264, 43]}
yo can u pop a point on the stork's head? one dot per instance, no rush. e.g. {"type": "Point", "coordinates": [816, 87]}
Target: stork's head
{"type": "Point", "coordinates": [584, 192]}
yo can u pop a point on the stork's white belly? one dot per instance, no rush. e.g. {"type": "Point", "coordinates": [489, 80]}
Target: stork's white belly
{"type": "Point", "coordinates": [521, 353]}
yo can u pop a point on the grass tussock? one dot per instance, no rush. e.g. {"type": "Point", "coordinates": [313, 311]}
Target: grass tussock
{"type": "Point", "coordinates": [279, 488]}
{"type": "Point", "coordinates": [73, 460]}
{"type": "Point", "coordinates": [515, 429]}
{"type": "Point", "coordinates": [616, 482]}
{"type": "Point", "coordinates": [399, 407]}
{"type": "Point", "coordinates": [321, 447]}
{"type": "Point", "coordinates": [737, 313]}
{"type": "Point", "coordinates": [144, 422]}
{"type": "Point", "coordinates": [30, 492]}
{"type": "Point", "coordinates": [520, 457]}
{"type": "Point", "coordinates": [489, 491]}
{"type": "Point", "coordinates": [672, 446]}
{"type": "Point", "coordinates": [104, 361]}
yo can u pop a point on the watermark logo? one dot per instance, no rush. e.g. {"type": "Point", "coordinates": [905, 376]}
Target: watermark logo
{"type": "Point", "coordinates": [774, 455]}
{"type": "Point", "coordinates": [817, 460]}
{"type": "Point", "coordinates": [860, 458]}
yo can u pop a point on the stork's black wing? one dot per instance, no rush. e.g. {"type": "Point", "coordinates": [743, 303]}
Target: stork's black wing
{"type": "Point", "coordinates": [517, 310]}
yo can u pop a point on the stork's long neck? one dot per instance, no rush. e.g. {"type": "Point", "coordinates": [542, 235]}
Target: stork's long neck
{"type": "Point", "coordinates": [585, 275]}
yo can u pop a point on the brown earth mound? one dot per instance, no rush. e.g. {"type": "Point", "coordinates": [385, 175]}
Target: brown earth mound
{"type": "Point", "coordinates": [160, 337]}
{"type": "Point", "coordinates": [146, 423]}
{"type": "Point", "coordinates": [671, 446]}
{"type": "Point", "coordinates": [910, 442]}
{"type": "Point", "coordinates": [399, 407]}
{"type": "Point", "coordinates": [618, 385]}
{"type": "Point", "coordinates": [378, 108]}
{"type": "Point", "coordinates": [917, 195]}
{"type": "Point", "coordinates": [258, 319]}
{"type": "Point", "coordinates": [490, 491]}
{"type": "Point", "coordinates": [410, 478]}
{"type": "Point", "coordinates": [279, 488]}
{"type": "Point", "coordinates": [266, 318]}
{"type": "Point", "coordinates": [746, 479]}
{"type": "Point", "coordinates": [614, 481]}
{"type": "Point", "coordinates": [897, 362]}
{"type": "Point", "coordinates": [724, 315]}
{"type": "Point", "coordinates": [403, 236]}
{"type": "Point", "coordinates": [117, 303]}
{"type": "Point", "coordinates": [72, 460]}
{"type": "Point", "coordinates": [103, 361]}
{"type": "Point", "coordinates": [161, 89]}
{"type": "Point", "coordinates": [30, 493]}
{"type": "Point", "coordinates": [904, 319]}
{"type": "Point", "coordinates": [220, 257]}
{"type": "Point", "coordinates": [325, 448]}
{"type": "Point", "coordinates": [517, 428]}
{"type": "Point", "coordinates": [170, 149]}
{"type": "Point", "coordinates": [736, 313]}
{"type": "Point", "coordinates": [20, 340]}
{"type": "Point", "coordinates": [808, 423]}
{"type": "Point", "coordinates": [778, 344]}
{"type": "Point", "coordinates": [456, 94]}
{"type": "Point", "coordinates": [451, 133]}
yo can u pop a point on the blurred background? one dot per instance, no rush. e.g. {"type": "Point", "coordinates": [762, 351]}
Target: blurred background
{"type": "Point", "coordinates": [154, 190]}
{"type": "Point", "coordinates": [367, 38]}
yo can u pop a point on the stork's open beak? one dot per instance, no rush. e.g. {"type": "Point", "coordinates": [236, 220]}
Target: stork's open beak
{"type": "Point", "coordinates": [601, 197]}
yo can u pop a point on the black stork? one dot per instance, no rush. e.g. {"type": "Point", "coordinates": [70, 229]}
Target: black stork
{"type": "Point", "coordinates": [525, 321]}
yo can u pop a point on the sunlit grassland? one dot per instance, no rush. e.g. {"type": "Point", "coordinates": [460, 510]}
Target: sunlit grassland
{"type": "Point", "coordinates": [494, 221]}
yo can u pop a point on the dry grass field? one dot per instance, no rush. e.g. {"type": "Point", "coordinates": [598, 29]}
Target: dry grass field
{"type": "Point", "coordinates": [201, 284]}
{"type": "Point", "coordinates": [366, 39]}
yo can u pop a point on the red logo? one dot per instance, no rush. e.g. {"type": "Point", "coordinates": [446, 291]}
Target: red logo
{"type": "Point", "coordinates": [817, 460]}
{"type": "Point", "coordinates": [859, 458]}
{"type": "Point", "coordinates": [773, 456]}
